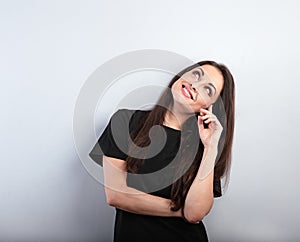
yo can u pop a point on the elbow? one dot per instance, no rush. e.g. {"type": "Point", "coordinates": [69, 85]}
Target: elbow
{"type": "Point", "coordinates": [194, 217]}
{"type": "Point", "coordinates": [112, 197]}
{"type": "Point", "coordinates": [196, 214]}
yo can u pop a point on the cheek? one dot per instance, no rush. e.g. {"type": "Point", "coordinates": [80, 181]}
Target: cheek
{"type": "Point", "coordinates": [203, 99]}
{"type": "Point", "coordinates": [176, 90]}
{"type": "Point", "coordinates": [199, 104]}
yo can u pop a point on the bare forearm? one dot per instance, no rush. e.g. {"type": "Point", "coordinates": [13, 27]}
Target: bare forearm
{"type": "Point", "coordinates": [135, 201]}
{"type": "Point", "coordinates": [121, 196]}
{"type": "Point", "coordinates": [200, 197]}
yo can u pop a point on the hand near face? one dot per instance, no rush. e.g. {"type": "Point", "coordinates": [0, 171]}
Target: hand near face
{"type": "Point", "coordinates": [210, 136]}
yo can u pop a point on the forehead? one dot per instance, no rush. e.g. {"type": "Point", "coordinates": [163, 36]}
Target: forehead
{"type": "Point", "coordinates": [215, 76]}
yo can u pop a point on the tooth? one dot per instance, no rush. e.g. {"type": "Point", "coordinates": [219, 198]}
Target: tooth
{"type": "Point", "coordinates": [187, 92]}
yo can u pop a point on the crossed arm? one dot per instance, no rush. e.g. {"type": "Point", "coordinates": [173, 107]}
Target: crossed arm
{"type": "Point", "coordinates": [198, 202]}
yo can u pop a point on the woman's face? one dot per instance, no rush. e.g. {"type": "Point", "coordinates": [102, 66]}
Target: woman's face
{"type": "Point", "coordinates": [199, 87]}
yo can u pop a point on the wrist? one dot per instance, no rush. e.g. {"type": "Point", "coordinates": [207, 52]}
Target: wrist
{"type": "Point", "coordinates": [212, 148]}
{"type": "Point", "coordinates": [177, 213]}
{"type": "Point", "coordinates": [174, 213]}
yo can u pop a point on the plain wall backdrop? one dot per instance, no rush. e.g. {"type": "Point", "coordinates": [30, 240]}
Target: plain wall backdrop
{"type": "Point", "coordinates": [49, 48]}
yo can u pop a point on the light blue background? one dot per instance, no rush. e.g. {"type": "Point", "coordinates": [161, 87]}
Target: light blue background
{"type": "Point", "coordinates": [49, 48]}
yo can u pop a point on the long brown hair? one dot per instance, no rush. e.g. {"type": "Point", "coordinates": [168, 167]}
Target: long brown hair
{"type": "Point", "coordinates": [224, 109]}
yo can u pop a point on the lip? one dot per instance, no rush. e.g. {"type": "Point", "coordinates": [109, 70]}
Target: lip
{"type": "Point", "coordinates": [187, 87]}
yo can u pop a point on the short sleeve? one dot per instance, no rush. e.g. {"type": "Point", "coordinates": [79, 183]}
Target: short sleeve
{"type": "Point", "coordinates": [113, 141]}
{"type": "Point", "coordinates": [217, 188]}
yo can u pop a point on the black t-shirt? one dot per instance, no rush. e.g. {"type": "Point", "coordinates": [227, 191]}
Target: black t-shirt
{"type": "Point", "coordinates": [132, 227]}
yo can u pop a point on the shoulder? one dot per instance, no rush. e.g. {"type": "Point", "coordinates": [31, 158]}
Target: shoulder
{"type": "Point", "coordinates": [130, 119]}
{"type": "Point", "coordinates": [131, 115]}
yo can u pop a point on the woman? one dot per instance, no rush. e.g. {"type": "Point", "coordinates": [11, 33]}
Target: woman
{"type": "Point", "coordinates": [184, 195]}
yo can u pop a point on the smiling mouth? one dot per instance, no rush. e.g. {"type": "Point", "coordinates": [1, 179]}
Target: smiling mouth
{"type": "Point", "coordinates": [186, 92]}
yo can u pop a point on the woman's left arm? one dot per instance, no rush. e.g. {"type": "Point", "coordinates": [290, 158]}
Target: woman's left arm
{"type": "Point", "coordinates": [200, 196]}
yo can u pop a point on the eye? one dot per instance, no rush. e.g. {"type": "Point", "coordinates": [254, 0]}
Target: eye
{"type": "Point", "coordinates": [197, 73]}
{"type": "Point", "coordinates": [209, 91]}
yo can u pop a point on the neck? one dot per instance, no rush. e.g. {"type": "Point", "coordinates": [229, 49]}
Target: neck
{"type": "Point", "coordinates": [175, 116]}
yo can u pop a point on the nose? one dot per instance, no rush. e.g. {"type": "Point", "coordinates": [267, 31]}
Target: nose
{"type": "Point", "coordinates": [193, 88]}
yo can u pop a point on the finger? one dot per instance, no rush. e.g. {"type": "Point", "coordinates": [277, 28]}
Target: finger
{"type": "Point", "coordinates": [211, 124]}
{"type": "Point", "coordinates": [207, 116]}
{"type": "Point", "coordinates": [205, 111]}
{"type": "Point", "coordinates": [201, 113]}
{"type": "Point", "coordinates": [211, 119]}
{"type": "Point", "coordinates": [214, 124]}
{"type": "Point", "coordinates": [200, 123]}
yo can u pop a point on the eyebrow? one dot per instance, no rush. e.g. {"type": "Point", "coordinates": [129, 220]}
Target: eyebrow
{"type": "Point", "coordinates": [202, 72]}
{"type": "Point", "coordinates": [212, 86]}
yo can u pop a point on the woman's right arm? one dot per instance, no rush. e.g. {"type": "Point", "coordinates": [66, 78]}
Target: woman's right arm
{"type": "Point", "coordinates": [119, 195]}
